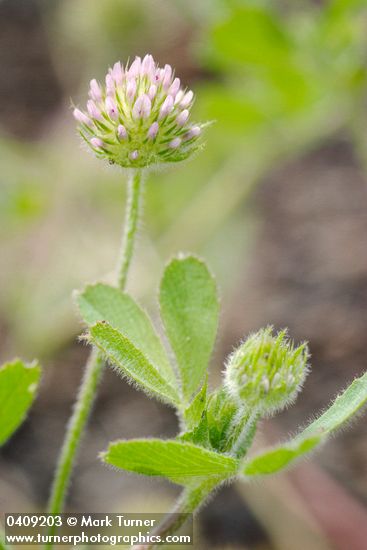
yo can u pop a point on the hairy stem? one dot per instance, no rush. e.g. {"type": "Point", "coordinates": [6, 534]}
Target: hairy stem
{"type": "Point", "coordinates": [246, 436]}
{"type": "Point", "coordinates": [188, 503]}
{"type": "Point", "coordinates": [130, 227]}
{"type": "Point", "coordinates": [94, 365]}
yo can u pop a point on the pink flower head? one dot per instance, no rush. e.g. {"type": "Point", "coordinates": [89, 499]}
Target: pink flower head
{"type": "Point", "coordinates": [139, 116]}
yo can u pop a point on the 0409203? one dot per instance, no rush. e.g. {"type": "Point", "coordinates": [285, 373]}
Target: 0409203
{"type": "Point", "coordinates": [27, 520]}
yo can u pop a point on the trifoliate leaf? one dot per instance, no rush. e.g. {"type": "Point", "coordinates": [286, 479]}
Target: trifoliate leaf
{"type": "Point", "coordinates": [189, 309]}
{"type": "Point", "coordinates": [343, 409]}
{"type": "Point", "coordinates": [180, 462]}
{"type": "Point", "coordinates": [131, 362]}
{"type": "Point", "coordinates": [102, 302]}
{"type": "Point", "coordinates": [18, 387]}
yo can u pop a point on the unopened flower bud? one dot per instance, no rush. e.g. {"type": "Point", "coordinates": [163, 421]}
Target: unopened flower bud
{"type": "Point", "coordinates": [95, 91]}
{"type": "Point", "coordinates": [130, 89]}
{"type": "Point", "coordinates": [96, 142]}
{"type": "Point", "coordinates": [111, 108]}
{"type": "Point", "coordinates": [179, 96]}
{"type": "Point", "coordinates": [174, 88]}
{"type": "Point", "coordinates": [142, 107]}
{"type": "Point", "coordinates": [153, 130]}
{"type": "Point", "coordinates": [135, 67]}
{"type": "Point", "coordinates": [152, 91]}
{"type": "Point", "coordinates": [182, 117]}
{"type": "Point", "coordinates": [166, 76]}
{"type": "Point", "coordinates": [81, 117]}
{"type": "Point", "coordinates": [121, 132]}
{"type": "Point", "coordinates": [117, 73]}
{"type": "Point", "coordinates": [175, 143]}
{"type": "Point", "coordinates": [193, 132]}
{"type": "Point", "coordinates": [93, 110]}
{"type": "Point", "coordinates": [110, 85]}
{"type": "Point", "coordinates": [266, 372]}
{"type": "Point", "coordinates": [166, 107]}
{"type": "Point", "coordinates": [147, 65]}
{"type": "Point", "coordinates": [186, 100]}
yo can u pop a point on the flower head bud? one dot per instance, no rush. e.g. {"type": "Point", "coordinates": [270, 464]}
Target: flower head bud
{"type": "Point", "coordinates": [267, 371]}
{"type": "Point", "coordinates": [140, 116]}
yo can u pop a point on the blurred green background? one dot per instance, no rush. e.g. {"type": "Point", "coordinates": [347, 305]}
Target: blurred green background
{"type": "Point", "coordinates": [276, 203]}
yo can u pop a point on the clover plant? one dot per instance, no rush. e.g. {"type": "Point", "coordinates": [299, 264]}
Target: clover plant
{"type": "Point", "coordinates": [141, 118]}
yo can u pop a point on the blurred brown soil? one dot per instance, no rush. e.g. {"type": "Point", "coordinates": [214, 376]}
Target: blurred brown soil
{"type": "Point", "coordinates": [29, 89]}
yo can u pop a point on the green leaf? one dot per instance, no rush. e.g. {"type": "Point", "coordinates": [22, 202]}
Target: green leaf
{"type": "Point", "coordinates": [279, 458]}
{"type": "Point", "coordinates": [194, 411]}
{"type": "Point", "coordinates": [343, 409]}
{"type": "Point", "coordinates": [131, 362]}
{"type": "Point", "coordinates": [18, 386]}
{"type": "Point", "coordinates": [102, 302]}
{"type": "Point", "coordinates": [345, 406]}
{"type": "Point", "coordinates": [189, 309]}
{"type": "Point", "coordinates": [267, 41]}
{"type": "Point", "coordinates": [180, 462]}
